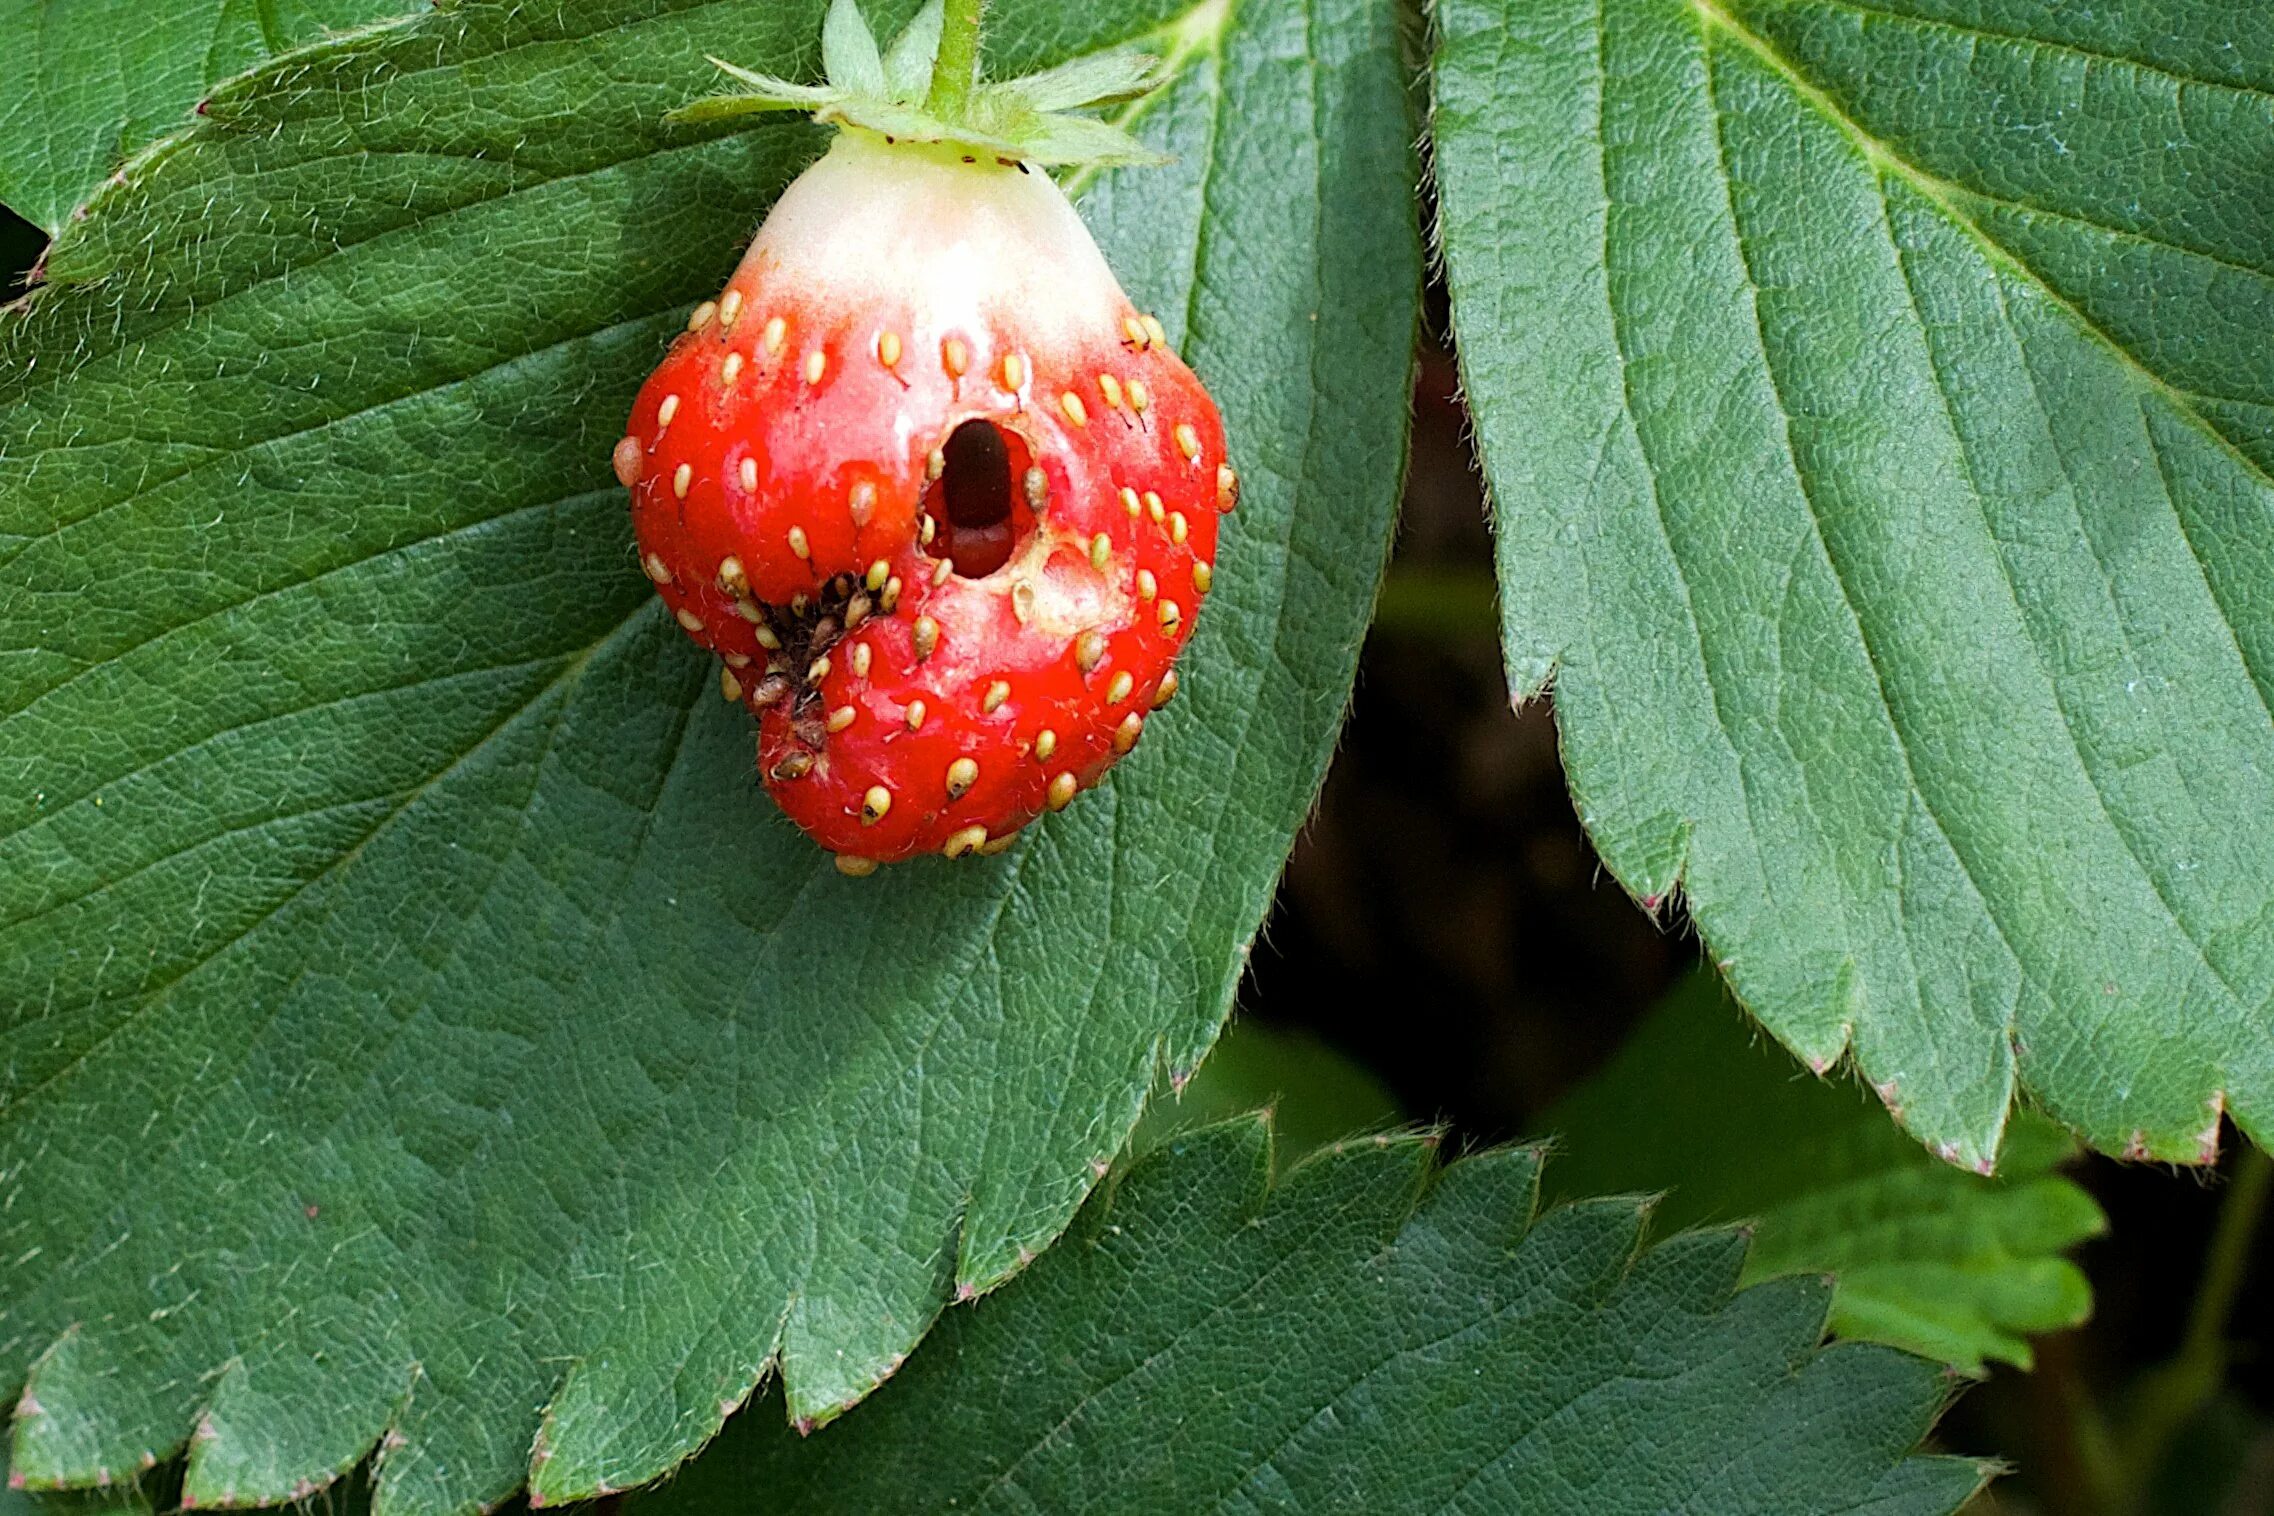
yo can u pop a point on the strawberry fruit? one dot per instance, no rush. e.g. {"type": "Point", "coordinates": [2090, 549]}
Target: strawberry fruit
{"type": "Point", "coordinates": [942, 499]}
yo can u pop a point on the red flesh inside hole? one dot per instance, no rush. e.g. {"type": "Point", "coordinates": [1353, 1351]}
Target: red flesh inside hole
{"type": "Point", "coordinates": [977, 506]}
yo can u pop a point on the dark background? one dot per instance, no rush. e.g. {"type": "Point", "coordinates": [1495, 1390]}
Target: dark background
{"type": "Point", "coordinates": [1444, 922]}
{"type": "Point", "coordinates": [20, 245]}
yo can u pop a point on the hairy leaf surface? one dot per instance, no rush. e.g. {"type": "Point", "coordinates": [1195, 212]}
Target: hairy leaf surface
{"type": "Point", "coordinates": [90, 83]}
{"type": "Point", "coordinates": [1365, 1336]}
{"type": "Point", "coordinates": [1878, 400]}
{"type": "Point", "coordinates": [416, 1027]}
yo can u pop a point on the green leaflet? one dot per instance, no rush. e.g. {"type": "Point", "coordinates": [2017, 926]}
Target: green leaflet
{"type": "Point", "coordinates": [1879, 406]}
{"type": "Point", "coordinates": [415, 1027]}
{"type": "Point", "coordinates": [1929, 1258]}
{"type": "Point", "coordinates": [1315, 1095]}
{"type": "Point", "coordinates": [1369, 1337]}
{"type": "Point", "coordinates": [90, 83]}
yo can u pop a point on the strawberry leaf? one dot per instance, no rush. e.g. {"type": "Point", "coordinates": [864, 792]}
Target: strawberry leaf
{"type": "Point", "coordinates": [1367, 1335]}
{"type": "Point", "coordinates": [419, 1031]}
{"type": "Point", "coordinates": [1878, 402]}
{"type": "Point", "coordinates": [1932, 1259]}
{"type": "Point", "coordinates": [91, 84]}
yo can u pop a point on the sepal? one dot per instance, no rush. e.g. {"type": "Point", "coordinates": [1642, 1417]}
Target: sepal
{"type": "Point", "coordinates": [1029, 119]}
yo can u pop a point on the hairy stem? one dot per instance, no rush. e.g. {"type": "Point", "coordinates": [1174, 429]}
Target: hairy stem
{"type": "Point", "coordinates": [958, 67]}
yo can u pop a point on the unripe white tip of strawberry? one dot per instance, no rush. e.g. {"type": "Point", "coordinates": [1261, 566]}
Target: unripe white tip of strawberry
{"type": "Point", "coordinates": [891, 91]}
{"type": "Point", "coordinates": [973, 250]}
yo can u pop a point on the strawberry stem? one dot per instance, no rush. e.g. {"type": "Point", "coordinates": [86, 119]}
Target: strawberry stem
{"type": "Point", "coordinates": [958, 67]}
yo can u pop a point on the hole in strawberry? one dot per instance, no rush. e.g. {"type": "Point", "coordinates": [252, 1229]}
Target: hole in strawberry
{"type": "Point", "coordinates": [977, 516]}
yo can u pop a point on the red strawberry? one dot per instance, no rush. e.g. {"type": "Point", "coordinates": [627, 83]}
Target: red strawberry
{"type": "Point", "coordinates": [940, 496]}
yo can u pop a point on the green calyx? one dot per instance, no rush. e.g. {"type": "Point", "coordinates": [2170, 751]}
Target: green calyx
{"type": "Point", "coordinates": [894, 91]}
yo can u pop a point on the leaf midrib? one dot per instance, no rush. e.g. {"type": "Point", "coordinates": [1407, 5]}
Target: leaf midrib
{"type": "Point", "coordinates": [1382, 1259]}
{"type": "Point", "coordinates": [2079, 748]}
{"type": "Point", "coordinates": [2072, 49]}
{"type": "Point", "coordinates": [1933, 190]}
{"type": "Point", "coordinates": [577, 660]}
{"type": "Point", "coordinates": [315, 576]}
{"type": "Point", "coordinates": [1946, 196]}
{"type": "Point", "coordinates": [151, 997]}
{"type": "Point", "coordinates": [1255, 1213]}
{"type": "Point", "coordinates": [2237, 1004]}
{"type": "Point", "coordinates": [114, 881]}
{"type": "Point", "coordinates": [1939, 193]}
